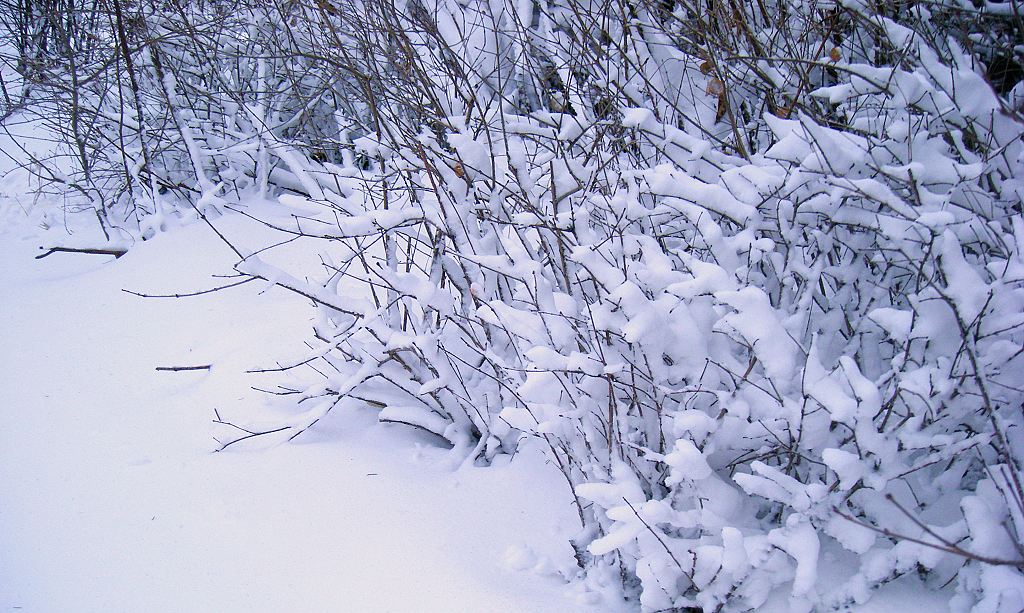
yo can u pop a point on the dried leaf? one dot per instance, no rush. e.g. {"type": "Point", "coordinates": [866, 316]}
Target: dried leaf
{"type": "Point", "coordinates": [784, 111]}
{"type": "Point", "coordinates": [715, 87]}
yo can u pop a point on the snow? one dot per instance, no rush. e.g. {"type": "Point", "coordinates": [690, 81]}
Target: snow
{"type": "Point", "coordinates": [745, 333]}
{"type": "Point", "coordinates": [687, 462]}
{"type": "Point", "coordinates": [113, 499]}
{"type": "Point", "coordinates": [800, 541]}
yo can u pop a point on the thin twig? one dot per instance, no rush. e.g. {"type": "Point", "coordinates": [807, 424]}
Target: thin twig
{"type": "Point", "coordinates": [199, 293]}
{"type": "Point", "coordinates": [955, 550]}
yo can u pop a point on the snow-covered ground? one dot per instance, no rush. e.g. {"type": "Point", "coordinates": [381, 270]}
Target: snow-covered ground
{"type": "Point", "coordinates": [112, 499]}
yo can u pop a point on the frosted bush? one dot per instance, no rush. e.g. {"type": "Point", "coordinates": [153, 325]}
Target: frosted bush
{"type": "Point", "coordinates": [744, 345]}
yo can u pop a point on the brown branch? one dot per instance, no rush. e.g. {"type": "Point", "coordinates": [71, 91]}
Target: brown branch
{"type": "Point", "coordinates": [953, 549]}
{"type": "Point", "coordinates": [181, 368]}
{"type": "Point", "coordinates": [116, 252]}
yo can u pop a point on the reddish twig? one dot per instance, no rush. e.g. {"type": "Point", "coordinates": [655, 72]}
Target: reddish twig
{"type": "Point", "coordinates": [950, 548]}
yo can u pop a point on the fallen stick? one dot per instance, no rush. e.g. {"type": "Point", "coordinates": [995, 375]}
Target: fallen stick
{"type": "Point", "coordinates": [179, 368]}
{"type": "Point", "coordinates": [116, 252]}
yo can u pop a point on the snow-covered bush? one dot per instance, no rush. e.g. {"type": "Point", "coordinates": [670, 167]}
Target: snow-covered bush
{"type": "Point", "coordinates": [759, 295]}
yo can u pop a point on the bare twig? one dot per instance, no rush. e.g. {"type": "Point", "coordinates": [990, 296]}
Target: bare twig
{"type": "Point", "coordinates": [190, 294]}
{"type": "Point", "coordinates": [953, 549]}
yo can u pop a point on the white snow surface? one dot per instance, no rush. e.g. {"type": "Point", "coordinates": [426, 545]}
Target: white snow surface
{"type": "Point", "coordinates": [112, 498]}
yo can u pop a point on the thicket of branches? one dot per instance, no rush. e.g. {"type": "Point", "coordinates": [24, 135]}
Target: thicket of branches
{"type": "Point", "coordinates": [752, 272]}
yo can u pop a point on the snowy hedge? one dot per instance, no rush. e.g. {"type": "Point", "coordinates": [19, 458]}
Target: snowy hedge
{"type": "Point", "coordinates": [746, 342]}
